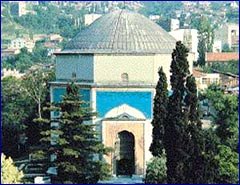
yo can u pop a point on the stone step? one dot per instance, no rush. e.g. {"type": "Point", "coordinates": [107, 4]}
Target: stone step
{"type": "Point", "coordinates": [32, 175]}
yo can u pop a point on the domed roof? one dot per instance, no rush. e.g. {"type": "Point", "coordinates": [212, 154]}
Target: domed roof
{"type": "Point", "coordinates": [121, 31]}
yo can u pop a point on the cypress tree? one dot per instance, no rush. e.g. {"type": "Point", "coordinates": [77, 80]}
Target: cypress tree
{"type": "Point", "coordinates": [201, 50]}
{"type": "Point", "coordinates": [194, 168]}
{"type": "Point", "coordinates": [159, 114]}
{"type": "Point", "coordinates": [175, 131]}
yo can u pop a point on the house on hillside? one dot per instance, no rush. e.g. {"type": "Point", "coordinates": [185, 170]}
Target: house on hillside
{"type": "Point", "coordinates": [19, 43]}
{"type": "Point", "coordinates": [221, 57]}
{"type": "Point", "coordinates": [228, 34]}
{"type": "Point", "coordinates": [203, 80]}
{"type": "Point", "coordinates": [9, 53]}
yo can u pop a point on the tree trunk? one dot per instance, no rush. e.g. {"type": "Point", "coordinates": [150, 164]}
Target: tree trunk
{"type": "Point", "coordinates": [39, 109]}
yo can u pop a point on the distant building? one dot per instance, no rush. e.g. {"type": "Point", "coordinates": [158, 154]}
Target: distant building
{"type": "Point", "coordinates": [90, 18]}
{"type": "Point", "coordinates": [232, 90]}
{"type": "Point", "coordinates": [52, 48]}
{"type": "Point", "coordinates": [38, 37]}
{"type": "Point", "coordinates": [154, 17]}
{"type": "Point", "coordinates": [228, 34]}
{"type": "Point", "coordinates": [229, 80]}
{"type": "Point", "coordinates": [234, 4]}
{"type": "Point", "coordinates": [178, 13]}
{"type": "Point", "coordinates": [189, 37]}
{"type": "Point", "coordinates": [205, 4]}
{"type": "Point", "coordinates": [188, 4]}
{"type": "Point", "coordinates": [175, 24]}
{"type": "Point", "coordinates": [22, 7]}
{"type": "Point", "coordinates": [19, 43]}
{"type": "Point", "coordinates": [221, 57]}
{"type": "Point", "coordinates": [203, 80]}
{"type": "Point", "coordinates": [217, 46]}
{"type": "Point", "coordinates": [55, 38]}
{"type": "Point", "coordinates": [8, 53]}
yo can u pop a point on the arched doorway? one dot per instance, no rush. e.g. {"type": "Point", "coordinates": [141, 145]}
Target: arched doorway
{"type": "Point", "coordinates": [125, 160]}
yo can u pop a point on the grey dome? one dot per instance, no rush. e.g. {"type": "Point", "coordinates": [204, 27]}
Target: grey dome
{"type": "Point", "coordinates": [121, 31]}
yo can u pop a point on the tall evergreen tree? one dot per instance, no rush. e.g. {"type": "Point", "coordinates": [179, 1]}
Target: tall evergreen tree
{"type": "Point", "coordinates": [175, 132]}
{"type": "Point", "coordinates": [201, 51]}
{"type": "Point", "coordinates": [159, 114]}
{"type": "Point", "coordinates": [78, 142]}
{"type": "Point", "coordinates": [75, 142]}
{"type": "Point", "coordinates": [194, 168]}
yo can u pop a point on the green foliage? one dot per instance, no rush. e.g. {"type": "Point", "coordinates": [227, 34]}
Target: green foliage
{"type": "Point", "coordinates": [211, 163]}
{"type": "Point", "coordinates": [9, 173]}
{"type": "Point", "coordinates": [227, 67]}
{"type": "Point", "coordinates": [159, 114]}
{"type": "Point", "coordinates": [226, 120]}
{"type": "Point", "coordinates": [16, 108]}
{"type": "Point", "coordinates": [194, 166]}
{"type": "Point", "coordinates": [165, 8]}
{"type": "Point", "coordinates": [156, 172]}
{"type": "Point", "coordinates": [40, 53]}
{"type": "Point", "coordinates": [78, 142]}
{"type": "Point", "coordinates": [206, 30]}
{"type": "Point", "coordinates": [20, 104]}
{"type": "Point", "coordinates": [233, 16]}
{"type": "Point", "coordinates": [165, 23]}
{"type": "Point", "coordinates": [216, 6]}
{"type": "Point", "coordinates": [24, 60]}
{"type": "Point", "coordinates": [228, 165]}
{"type": "Point", "coordinates": [51, 19]}
{"type": "Point", "coordinates": [175, 130]}
{"type": "Point", "coordinates": [36, 86]}
{"type": "Point", "coordinates": [105, 172]}
{"type": "Point", "coordinates": [206, 38]}
{"type": "Point", "coordinates": [197, 149]}
{"type": "Point", "coordinates": [226, 48]}
{"type": "Point", "coordinates": [76, 145]}
{"type": "Point", "coordinates": [201, 51]}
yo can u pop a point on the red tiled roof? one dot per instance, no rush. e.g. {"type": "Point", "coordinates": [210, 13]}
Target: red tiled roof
{"type": "Point", "coordinates": [221, 57]}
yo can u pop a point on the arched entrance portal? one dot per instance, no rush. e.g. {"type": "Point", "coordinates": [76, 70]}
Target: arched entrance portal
{"type": "Point", "coordinates": [125, 161]}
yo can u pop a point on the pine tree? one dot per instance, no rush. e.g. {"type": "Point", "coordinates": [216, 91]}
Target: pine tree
{"type": "Point", "coordinates": [73, 141]}
{"type": "Point", "coordinates": [79, 149]}
{"type": "Point", "coordinates": [175, 138]}
{"type": "Point", "coordinates": [159, 114]}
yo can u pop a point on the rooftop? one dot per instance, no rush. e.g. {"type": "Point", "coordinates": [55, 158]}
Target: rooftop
{"type": "Point", "coordinates": [121, 31]}
{"type": "Point", "coordinates": [221, 57]}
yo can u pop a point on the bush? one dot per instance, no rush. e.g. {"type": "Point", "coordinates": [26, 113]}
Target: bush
{"type": "Point", "coordinates": [156, 172]}
{"type": "Point", "coordinates": [9, 173]}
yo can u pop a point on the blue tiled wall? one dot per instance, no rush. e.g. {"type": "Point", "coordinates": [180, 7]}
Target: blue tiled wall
{"type": "Point", "coordinates": [106, 100]}
{"type": "Point", "coordinates": [59, 92]}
